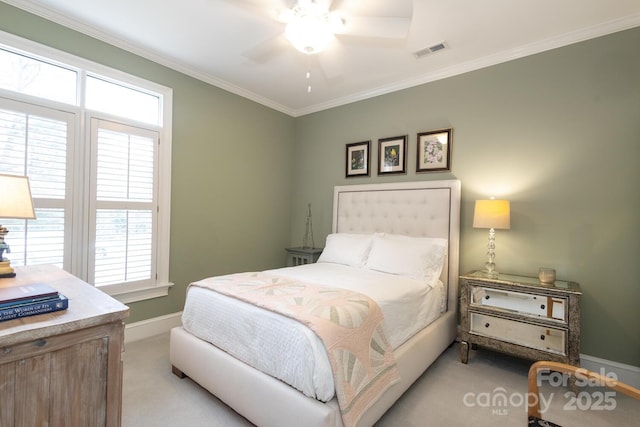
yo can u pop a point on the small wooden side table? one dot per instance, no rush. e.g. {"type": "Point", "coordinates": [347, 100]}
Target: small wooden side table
{"type": "Point", "coordinates": [521, 316]}
{"type": "Point", "coordinates": [300, 255]}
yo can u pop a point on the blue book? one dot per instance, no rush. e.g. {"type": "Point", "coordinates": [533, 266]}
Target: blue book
{"type": "Point", "coordinates": [31, 309]}
{"type": "Point", "coordinates": [27, 301]}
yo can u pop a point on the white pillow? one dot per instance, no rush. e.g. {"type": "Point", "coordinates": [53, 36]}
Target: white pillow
{"type": "Point", "coordinates": [347, 249]}
{"type": "Point", "coordinates": [421, 258]}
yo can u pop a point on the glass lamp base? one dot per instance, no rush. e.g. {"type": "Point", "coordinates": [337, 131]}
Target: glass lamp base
{"type": "Point", "coordinates": [491, 274]}
{"type": "Point", "coordinates": [490, 265]}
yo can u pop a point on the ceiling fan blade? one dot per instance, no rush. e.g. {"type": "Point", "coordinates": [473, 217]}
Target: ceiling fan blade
{"type": "Point", "coordinates": [380, 27]}
{"type": "Point", "coordinates": [334, 4]}
{"type": "Point", "coordinates": [264, 4]}
{"type": "Point", "coordinates": [267, 50]}
{"type": "Point", "coordinates": [392, 8]}
{"type": "Point", "coordinates": [331, 60]}
{"type": "Point", "coordinates": [270, 8]}
{"type": "Point", "coordinates": [325, 3]}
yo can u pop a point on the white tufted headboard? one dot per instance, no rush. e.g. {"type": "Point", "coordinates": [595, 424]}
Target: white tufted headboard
{"type": "Point", "coordinates": [420, 209]}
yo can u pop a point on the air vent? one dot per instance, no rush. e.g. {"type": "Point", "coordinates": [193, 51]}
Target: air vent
{"type": "Point", "coordinates": [431, 49]}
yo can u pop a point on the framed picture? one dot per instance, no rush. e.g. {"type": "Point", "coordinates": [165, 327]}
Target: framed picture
{"type": "Point", "coordinates": [392, 155]}
{"type": "Point", "coordinates": [434, 151]}
{"type": "Point", "coordinates": [358, 159]}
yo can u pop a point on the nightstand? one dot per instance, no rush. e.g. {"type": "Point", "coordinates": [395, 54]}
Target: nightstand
{"type": "Point", "coordinates": [520, 316]}
{"type": "Point", "coordinates": [299, 256]}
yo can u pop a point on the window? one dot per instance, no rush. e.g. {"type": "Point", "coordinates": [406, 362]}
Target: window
{"type": "Point", "coordinates": [23, 74]}
{"type": "Point", "coordinates": [96, 146]}
{"type": "Point", "coordinates": [123, 203]}
{"type": "Point", "coordinates": [113, 98]}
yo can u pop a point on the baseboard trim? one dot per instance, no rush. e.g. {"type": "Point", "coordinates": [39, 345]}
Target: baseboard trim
{"type": "Point", "coordinates": [628, 374]}
{"type": "Point", "coordinates": [151, 327]}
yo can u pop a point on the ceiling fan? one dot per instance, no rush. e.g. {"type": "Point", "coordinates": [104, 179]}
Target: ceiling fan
{"type": "Point", "coordinates": [313, 26]}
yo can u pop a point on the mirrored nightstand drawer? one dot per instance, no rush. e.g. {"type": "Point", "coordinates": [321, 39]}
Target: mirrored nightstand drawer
{"type": "Point", "coordinates": [525, 334]}
{"type": "Point", "coordinates": [535, 305]}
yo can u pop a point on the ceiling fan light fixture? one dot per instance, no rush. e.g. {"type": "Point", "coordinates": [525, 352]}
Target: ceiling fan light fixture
{"type": "Point", "coordinates": [310, 28]}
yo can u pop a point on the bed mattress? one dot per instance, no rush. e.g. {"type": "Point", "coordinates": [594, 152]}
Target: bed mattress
{"type": "Point", "coordinates": [286, 349]}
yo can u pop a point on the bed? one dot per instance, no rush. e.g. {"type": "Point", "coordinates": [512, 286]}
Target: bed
{"type": "Point", "coordinates": [429, 209]}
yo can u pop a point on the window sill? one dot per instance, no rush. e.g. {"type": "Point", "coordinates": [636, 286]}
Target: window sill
{"type": "Point", "coordinates": [141, 294]}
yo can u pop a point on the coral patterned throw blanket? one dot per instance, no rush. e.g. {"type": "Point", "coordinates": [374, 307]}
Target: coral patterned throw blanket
{"type": "Point", "coordinates": [349, 324]}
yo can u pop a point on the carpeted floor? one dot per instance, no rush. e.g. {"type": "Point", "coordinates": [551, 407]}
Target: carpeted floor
{"type": "Point", "coordinates": [449, 394]}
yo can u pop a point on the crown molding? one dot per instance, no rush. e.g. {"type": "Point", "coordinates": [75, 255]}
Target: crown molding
{"type": "Point", "coordinates": [551, 43]}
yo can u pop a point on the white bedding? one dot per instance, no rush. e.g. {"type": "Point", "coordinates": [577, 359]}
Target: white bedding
{"type": "Point", "coordinates": [284, 348]}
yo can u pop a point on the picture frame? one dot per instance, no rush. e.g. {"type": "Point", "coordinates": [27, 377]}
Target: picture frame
{"type": "Point", "coordinates": [392, 155]}
{"type": "Point", "coordinates": [434, 150]}
{"type": "Point", "coordinates": [357, 159]}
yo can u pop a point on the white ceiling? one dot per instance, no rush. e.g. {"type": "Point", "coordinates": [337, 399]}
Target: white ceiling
{"type": "Point", "coordinates": [221, 41]}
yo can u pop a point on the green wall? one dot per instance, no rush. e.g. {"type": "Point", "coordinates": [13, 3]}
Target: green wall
{"type": "Point", "coordinates": [557, 133]}
{"type": "Point", "coordinates": [231, 173]}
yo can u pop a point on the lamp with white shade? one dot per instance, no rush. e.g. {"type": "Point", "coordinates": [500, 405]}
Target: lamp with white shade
{"type": "Point", "coordinates": [492, 214]}
{"type": "Point", "coordinates": [15, 202]}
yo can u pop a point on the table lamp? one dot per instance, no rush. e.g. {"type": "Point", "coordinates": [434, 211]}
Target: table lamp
{"type": "Point", "coordinates": [15, 202]}
{"type": "Point", "coordinates": [492, 214]}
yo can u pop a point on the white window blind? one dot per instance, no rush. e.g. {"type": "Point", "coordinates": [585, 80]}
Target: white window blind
{"type": "Point", "coordinates": [34, 142]}
{"type": "Point", "coordinates": [123, 202]}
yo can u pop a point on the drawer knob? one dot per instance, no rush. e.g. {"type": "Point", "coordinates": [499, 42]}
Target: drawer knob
{"type": "Point", "coordinates": [487, 297]}
{"type": "Point", "coordinates": [486, 325]}
{"type": "Point", "coordinates": [542, 306]}
{"type": "Point", "coordinates": [542, 337]}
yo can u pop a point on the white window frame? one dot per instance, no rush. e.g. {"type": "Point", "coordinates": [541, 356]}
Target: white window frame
{"type": "Point", "coordinates": [70, 117]}
{"type": "Point", "coordinates": [81, 132]}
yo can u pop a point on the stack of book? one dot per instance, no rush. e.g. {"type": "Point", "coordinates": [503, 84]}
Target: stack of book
{"type": "Point", "coordinates": [29, 300]}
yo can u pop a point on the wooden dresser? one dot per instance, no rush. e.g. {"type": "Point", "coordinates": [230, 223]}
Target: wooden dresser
{"type": "Point", "coordinates": [63, 368]}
